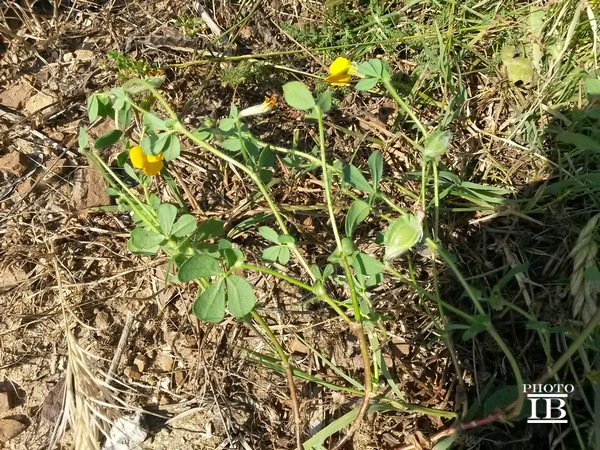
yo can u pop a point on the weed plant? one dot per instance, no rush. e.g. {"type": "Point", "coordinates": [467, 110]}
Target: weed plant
{"type": "Point", "coordinates": [152, 136]}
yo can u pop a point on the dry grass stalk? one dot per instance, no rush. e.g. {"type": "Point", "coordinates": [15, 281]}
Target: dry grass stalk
{"type": "Point", "coordinates": [585, 293]}
{"type": "Point", "coordinates": [86, 395]}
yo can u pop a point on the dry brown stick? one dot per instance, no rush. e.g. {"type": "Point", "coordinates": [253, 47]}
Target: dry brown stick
{"type": "Point", "coordinates": [120, 347]}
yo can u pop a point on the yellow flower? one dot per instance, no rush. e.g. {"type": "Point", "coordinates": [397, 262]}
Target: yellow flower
{"type": "Point", "coordinates": [150, 164]}
{"type": "Point", "coordinates": [341, 70]}
{"type": "Point", "coordinates": [264, 107]}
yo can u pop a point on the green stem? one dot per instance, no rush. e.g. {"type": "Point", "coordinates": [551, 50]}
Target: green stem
{"type": "Point", "coordinates": [327, 182]}
{"type": "Point", "coordinates": [490, 328]}
{"type": "Point", "coordinates": [316, 292]}
{"type": "Point", "coordinates": [392, 91]}
{"type": "Point", "coordinates": [436, 199]}
{"type": "Point", "coordinates": [327, 178]}
{"type": "Point", "coordinates": [574, 347]}
{"type": "Point", "coordinates": [261, 187]}
{"type": "Point", "coordinates": [423, 185]}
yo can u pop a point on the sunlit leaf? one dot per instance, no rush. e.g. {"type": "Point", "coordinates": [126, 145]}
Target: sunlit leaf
{"type": "Point", "coordinates": [240, 296]}
{"type": "Point", "coordinates": [359, 210]}
{"type": "Point", "coordinates": [199, 266]}
{"type": "Point", "coordinates": [298, 96]}
{"type": "Point", "coordinates": [210, 303]}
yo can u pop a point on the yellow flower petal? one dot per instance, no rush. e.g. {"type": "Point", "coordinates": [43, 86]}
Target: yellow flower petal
{"type": "Point", "coordinates": [340, 79]}
{"type": "Point", "coordinates": [154, 158]}
{"type": "Point", "coordinates": [153, 167]}
{"type": "Point", "coordinates": [339, 66]}
{"type": "Point", "coordinates": [138, 159]}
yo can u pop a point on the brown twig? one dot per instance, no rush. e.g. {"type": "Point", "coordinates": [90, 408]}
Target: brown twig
{"type": "Point", "coordinates": [497, 415]}
{"type": "Point", "coordinates": [120, 347]}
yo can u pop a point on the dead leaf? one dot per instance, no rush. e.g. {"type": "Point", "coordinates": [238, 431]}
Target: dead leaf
{"type": "Point", "coordinates": [16, 95]}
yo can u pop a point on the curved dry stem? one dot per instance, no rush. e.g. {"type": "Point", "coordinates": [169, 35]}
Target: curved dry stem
{"type": "Point", "coordinates": [364, 351]}
{"type": "Point", "coordinates": [288, 373]}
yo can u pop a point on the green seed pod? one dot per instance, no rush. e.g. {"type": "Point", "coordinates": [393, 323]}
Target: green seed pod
{"type": "Point", "coordinates": [437, 144]}
{"type": "Point", "coordinates": [401, 235]}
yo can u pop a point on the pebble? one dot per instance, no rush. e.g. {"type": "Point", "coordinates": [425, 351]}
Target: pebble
{"type": "Point", "coordinates": [132, 372]}
{"type": "Point", "coordinates": [9, 428]}
{"type": "Point", "coordinates": [5, 401]}
{"type": "Point", "coordinates": [141, 362]}
{"type": "Point", "coordinates": [179, 377]}
{"type": "Point", "coordinates": [166, 363]}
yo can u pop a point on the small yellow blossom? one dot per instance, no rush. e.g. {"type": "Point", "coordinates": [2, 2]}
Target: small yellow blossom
{"type": "Point", "coordinates": [264, 107]}
{"type": "Point", "coordinates": [341, 70]}
{"type": "Point", "coordinates": [150, 164]}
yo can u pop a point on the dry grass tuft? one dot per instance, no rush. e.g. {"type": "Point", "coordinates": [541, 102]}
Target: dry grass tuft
{"type": "Point", "coordinates": [87, 396]}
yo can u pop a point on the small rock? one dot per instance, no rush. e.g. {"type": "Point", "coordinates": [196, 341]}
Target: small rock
{"type": "Point", "coordinates": [11, 276]}
{"type": "Point", "coordinates": [141, 362]}
{"type": "Point", "coordinates": [53, 402]}
{"type": "Point", "coordinates": [84, 54]}
{"type": "Point", "coordinates": [5, 401]}
{"type": "Point", "coordinates": [179, 377]}
{"type": "Point", "coordinates": [38, 102]}
{"type": "Point", "coordinates": [67, 57]}
{"type": "Point", "coordinates": [298, 347]}
{"type": "Point", "coordinates": [165, 362]}
{"type": "Point", "coordinates": [132, 373]}
{"type": "Point", "coordinates": [11, 427]}
{"type": "Point", "coordinates": [103, 320]}
{"type": "Point", "coordinates": [165, 399]}
{"type": "Point", "coordinates": [190, 342]}
{"type": "Point", "coordinates": [16, 95]}
{"type": "Point", "coordinates": [25, 185]}
{"type": "Point", "coordinates": [14, 163]}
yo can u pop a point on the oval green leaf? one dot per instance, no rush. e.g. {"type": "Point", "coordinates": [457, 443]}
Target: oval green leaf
{"type": "Point", "coordinates": [199, 266]}
{"type": "Point", "coordinates": [376, 168]}
{"type": "Point", "coordinates": [366, 83]}
{"type": "Point", "coordinates": [358, 212]}
{"type": "Point", "coordinates": [145, 239]}
{"type": "Point", "coordinates": [210, 304]}
{"type": "Point", "coordinates": [172, 148]}
{"type": "Point", "coordinates": [298, 96]}
{"type": "Point", "coordinates": [367, 265]}
{"type": "Point", "coordinates": [167, 214]}
{"type": "Point", "coordinates": [184, 226]}
{"type": "Point", "coordinates": [108, 139]}
{"type": "Point", "coordinates": [269, 234]}
{"type": "Point", "coordinates": [240, 296]}
{"type": "Point", "coordinates": [270, 254]}
{"type": "Point", "coordinates": [355, 178]}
